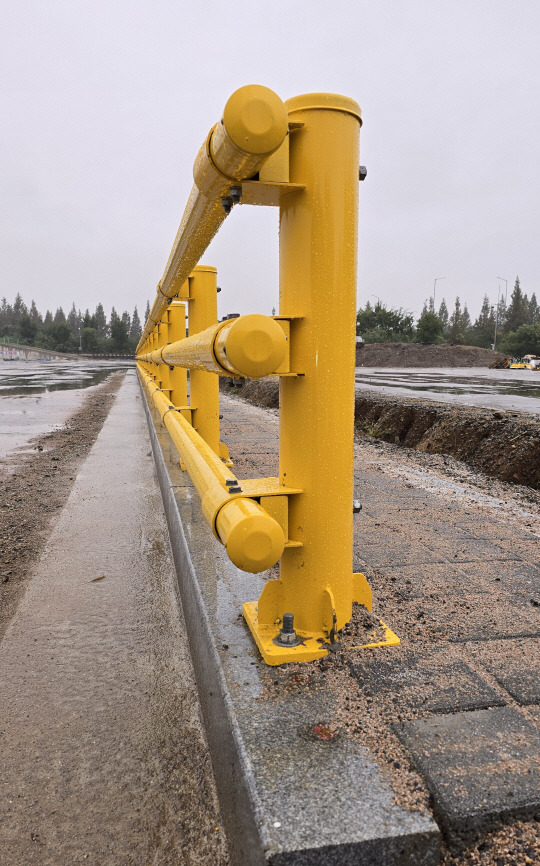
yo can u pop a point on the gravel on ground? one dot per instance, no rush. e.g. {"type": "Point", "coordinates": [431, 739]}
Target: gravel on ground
{"type": "Point", "coordinates": [503, 445]}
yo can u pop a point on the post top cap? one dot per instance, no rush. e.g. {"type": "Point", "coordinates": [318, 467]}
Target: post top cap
{"type": "Point", "coordinates": [329, 101]}
{"type": "Point", "coordinates": [202, 268]}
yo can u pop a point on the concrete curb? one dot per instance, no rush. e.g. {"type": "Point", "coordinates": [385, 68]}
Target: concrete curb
{"type": "Point", "coordinates": [286, 799]}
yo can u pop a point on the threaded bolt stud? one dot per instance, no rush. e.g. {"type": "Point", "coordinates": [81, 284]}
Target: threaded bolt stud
{"type": "Point", "coordinates": [288, 623]}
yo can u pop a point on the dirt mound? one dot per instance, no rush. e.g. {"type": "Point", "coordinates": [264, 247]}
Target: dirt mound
{"type": "Point", "coordinates": [417, 355]}
{"type": "Point", "coordinates": [504, 445]}
{"type": "Point", "coordinates": [264, 392]}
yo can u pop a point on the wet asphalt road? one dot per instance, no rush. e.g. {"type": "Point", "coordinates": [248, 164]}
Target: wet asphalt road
{"type": "Point", "coordinates": [513, 390]}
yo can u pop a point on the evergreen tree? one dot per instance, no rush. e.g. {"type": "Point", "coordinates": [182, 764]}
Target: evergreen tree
{"type": "Point", "coordinates": [147, 312]}
{"type": "Point", "coordinates": [35, 315]}
{"type": "Point", "coordinates": [381, 325]}
{"type": "Point", "coordinates": [483, 330]}
{"type": "Point", "coordinates": [136, 330]}
{"type": "Point", "coordinates": [534, 310]}
{"type": "Point", "coordinates": [6, 319]}
{"type": "Point", "coordinates": [89, 339]}
{"type": "Point", "coordinates": [525, 340]}
{"type": "Point", "coordinates": [455, 333]}
{"type": "Point", "coordinates": [501, 318]}
{"type": "Point", "coordinates": [429, 328]}
{"type": "Point", "coordinates": [59, 317]}
{"type": "Point", "coordinates": [518, 309]}
{"type": "Point", "coordinates": [73, 321]}
{"type": "Point", "coordinates": [126, 318]}
{"type": "Point", "coordinates": [119, 333]}
{"type": "Point", "coordinates": [19, 309]}
{"type": "Point", "coordinates": [443, 314]}
{"type": "Point", "coordinates": [100, 321]}
{"type": "Point", "coordinates": [48, 320]}
{"type": "Point", "coordinates": [465, 327]}
{"type": "Point", "coordinates": [28, 329]}
{"type": "Point", "coordinates": [61, 336]}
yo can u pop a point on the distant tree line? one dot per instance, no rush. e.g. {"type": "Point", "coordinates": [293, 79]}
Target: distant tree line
{"type": "Point", "coordinates": [515, 329]}
{"type": "Point", "coordinates": [89, 333]}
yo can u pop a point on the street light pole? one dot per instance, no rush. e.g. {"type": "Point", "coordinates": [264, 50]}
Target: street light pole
{"type": "Point", "coordinates": [496, 319]}
{"type": "Point", "coordinates": [434, 288]}
{"type": "Point", "coordinates": [505, 291]}
{"type": "Point", "coordinates": [378, 299]}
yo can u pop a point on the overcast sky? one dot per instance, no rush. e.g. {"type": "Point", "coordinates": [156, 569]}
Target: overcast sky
{"type": "Point", "coordinates": [105, 104]}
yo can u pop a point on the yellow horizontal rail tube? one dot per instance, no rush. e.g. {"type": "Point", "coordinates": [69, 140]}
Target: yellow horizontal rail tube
{"type": "Point", "coordinates": [251, 346]}
{"type": "Point", "coordinates": [253, 126]}
{"type": "Point", "coordinates": [254, 541]}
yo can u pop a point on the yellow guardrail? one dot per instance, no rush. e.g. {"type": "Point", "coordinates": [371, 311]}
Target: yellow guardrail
{"type": "Point", "coordinates": [254, 541]}
{"type": "Point", "coordinates": [303, 157]}
{"type": "Point", "coordinates": [253, 126]}
{"type": "Point", "coordinates": [249, 346]}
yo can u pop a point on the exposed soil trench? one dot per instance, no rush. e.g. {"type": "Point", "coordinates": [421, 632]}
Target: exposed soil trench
{"type": "Point", "coordinates": [503, 445]}
{"type": "Point", "coordinates": [38, 488]}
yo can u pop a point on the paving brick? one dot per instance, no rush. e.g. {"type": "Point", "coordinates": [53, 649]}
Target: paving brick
{"type": "Point", "coordinates": [535, 713]}
{"type": "Point", "coordinates": [483, 616]}
{"type": "Point", "coordinates": [430, 683]}
{"type": "Point", "coordinates": [522, 681]}
{"type": "Point", "coordinates": [480, 767]}
{"type": "Point", "coordinates": [516, 577]}
{"type": "Point", "coordinates": [390, 553]}
{"type": "Point", "coordinates": [470, 549]}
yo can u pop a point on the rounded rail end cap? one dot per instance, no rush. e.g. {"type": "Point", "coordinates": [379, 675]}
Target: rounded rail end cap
{"type": "Point", "coordinates": [255, 119]}
{"type": "Point", "coordinates": [256, 345]}
{"type": "Point", "coordinates": [255, 543]}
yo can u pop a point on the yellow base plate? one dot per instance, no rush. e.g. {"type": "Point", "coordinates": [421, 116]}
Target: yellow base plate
{"type": "Point", "coordinates": [313, 646]}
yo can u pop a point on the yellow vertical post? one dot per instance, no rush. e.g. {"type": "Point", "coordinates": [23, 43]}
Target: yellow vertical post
{"type": "Point", "coordinates": [318, 262]}
{"type": "Point", "coordinates": [151, 366]}
{"type": "Point", "coordinates": [155, 369]}
{"type": "Point", "coordinates": [204, 387]}
{"type": "Point", "coordinates": [155, 345]}
{"type": "Point", "coordinates": [177, 331]}
{"type": "Point", "coordinates": [162, 370]}
{"type": "Point", "coordinates": [318, 258]}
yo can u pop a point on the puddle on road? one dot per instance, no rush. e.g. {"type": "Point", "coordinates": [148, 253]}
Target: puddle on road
{"type": "Point", "coordinates": [23, 378]}
{"type": "Point", "coordinates": [37, 397]}
{"type": "Point", "coordinates": [510, 390]}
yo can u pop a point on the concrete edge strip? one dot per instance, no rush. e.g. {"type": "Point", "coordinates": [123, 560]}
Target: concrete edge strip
{"type": "Point", "coordinates": [239, 802]}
